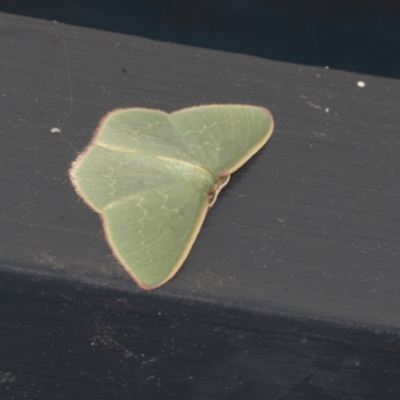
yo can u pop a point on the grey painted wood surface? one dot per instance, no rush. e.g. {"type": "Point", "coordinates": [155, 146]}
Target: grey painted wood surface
{"type": "Point", "coordinates": [291, 290]}
{"type": "Point", "coordinates": [309, 226]}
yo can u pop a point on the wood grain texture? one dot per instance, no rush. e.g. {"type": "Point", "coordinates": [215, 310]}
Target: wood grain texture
{"type": "Point", "coordinates": [306, 234]}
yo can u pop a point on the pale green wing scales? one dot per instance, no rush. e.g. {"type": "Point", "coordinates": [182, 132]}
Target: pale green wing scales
{"type": "Point", "coordinates": [152, 176]}
{"type": "Point", "coordinates": [152, 208]}
{"type": "Point", "coordinates": [164, 225]}
{"type": "Point", "coordinates": [142, 131]}
{"type": "Point", "coordinates": [223, 138]}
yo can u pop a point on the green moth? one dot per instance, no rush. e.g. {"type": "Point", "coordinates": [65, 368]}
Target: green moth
{"type": "Point", "coordinates": [152, 176]}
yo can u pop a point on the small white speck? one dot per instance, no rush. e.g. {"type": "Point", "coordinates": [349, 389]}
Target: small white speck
{"type": "Point", "coordinates": [326, 67]}
{"type": "Point", "coordinates": [361, 84]}
{"type": "Point", "coordinates": [55, 130]}
{"type": "Point", "coordinates": [327, 110]}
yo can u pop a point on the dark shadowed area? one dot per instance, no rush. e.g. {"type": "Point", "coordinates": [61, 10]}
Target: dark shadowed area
{"type": "Point", "coordinates": [353, 35]}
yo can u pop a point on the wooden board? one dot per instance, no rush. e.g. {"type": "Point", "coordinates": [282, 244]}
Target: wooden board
{"type": "Point", "coordinates": [297, 264]}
